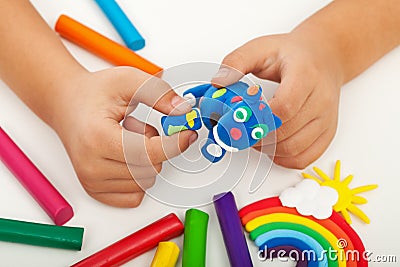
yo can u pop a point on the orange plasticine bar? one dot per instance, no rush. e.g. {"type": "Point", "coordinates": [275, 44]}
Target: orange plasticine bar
{"type": "Point", "coordinates": [102, 46]}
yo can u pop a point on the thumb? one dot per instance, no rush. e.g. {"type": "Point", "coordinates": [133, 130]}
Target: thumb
{"type": "Point", "coordinates": [249, 58]}
{"type": "Point", "coordinates": [137, 86]}
{"type": "Point", "coordinates": [158, 94]}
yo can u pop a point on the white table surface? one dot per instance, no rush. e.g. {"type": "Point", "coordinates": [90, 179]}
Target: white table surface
{"type": "Point", "coordinates": [367, 141]}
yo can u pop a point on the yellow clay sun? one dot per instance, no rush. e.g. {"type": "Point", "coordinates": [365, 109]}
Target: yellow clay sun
{"type": "Point", "coordinates": [348, 198]}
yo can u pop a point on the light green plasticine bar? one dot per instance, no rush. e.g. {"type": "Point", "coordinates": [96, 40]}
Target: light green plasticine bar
{"type": "Point", "coordinates": [41, 234]}
{"type": "Point", "coordinates": [195, 239]}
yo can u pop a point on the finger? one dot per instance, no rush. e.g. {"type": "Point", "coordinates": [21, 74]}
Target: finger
{"type": "Point", "coordinates": [302, 140]}
{"type": "Point", "coordinates": [138, 86]}
{"type": "Point", "coordinates": [161, 148]}
{"type": "Point", "coordinates": [291, 94]}
{"type": "Point", "coordinates": [305, 158]}
{"type": "Point", "coordinates": [134, 125]}
{"type": "Point", "coordinates": [255, 57]}
{"type": "Point", "coordinates": [304, 116]}
{"type": "Point", "coordinates": [270, 139]}
{"type": "Point", "coordinates": [122, 170]}
{"type": "Point", "coordinates": [114, 185]}
{"type": "Point", "coordinates": [295, 144]}
{"type": "Point", "coordinates": [121, 200]}
{"type": "Point", "coordinates": [143, 151]}
{"type": "Point", "coordinates": [158, 94]}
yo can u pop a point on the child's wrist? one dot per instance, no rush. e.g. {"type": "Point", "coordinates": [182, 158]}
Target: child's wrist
{"type": "Point", "coordinates": [61, 93]}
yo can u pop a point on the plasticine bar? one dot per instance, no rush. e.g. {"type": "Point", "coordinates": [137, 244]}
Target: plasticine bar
{"type": "Point", "coordinates": [41, 234]}
{"type": "Point", "coordinates": [135, 244]}
{"type": "Point", "coordinates": [166, 255]}
{"type": "Point", "coordinates": [34, 181]}
{"type": "Point", "coordinates": [102, 46]}
{"type": "Point", "coordinates": [232, 231]}
{"type": "Point", "coordinates": [195, 239]}
{"type": "Point", "coordinates": [122, 24]}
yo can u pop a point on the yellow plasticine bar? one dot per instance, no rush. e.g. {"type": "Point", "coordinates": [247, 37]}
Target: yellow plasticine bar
{"type": "Point", "coordinates": [166, 255]}
{"type": "Point", "coordinates": [284, 217]}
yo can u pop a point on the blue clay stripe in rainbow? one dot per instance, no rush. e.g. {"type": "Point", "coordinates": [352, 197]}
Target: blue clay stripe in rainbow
{"type": "Point", "coordinates": [299, 240]}
{"type": "Point", "coordinates": [294, 238]}
{"type": "Point", "coordinates": [255, 235]}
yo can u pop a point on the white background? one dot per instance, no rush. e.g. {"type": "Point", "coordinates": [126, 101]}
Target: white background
{"type": "Point", "coordinates": [177, 32]}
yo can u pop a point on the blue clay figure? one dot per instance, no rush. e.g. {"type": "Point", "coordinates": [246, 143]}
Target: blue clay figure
{"type": "Point", "coordinates": [235, 115]}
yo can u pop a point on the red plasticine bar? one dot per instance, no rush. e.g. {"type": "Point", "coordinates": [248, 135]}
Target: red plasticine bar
{"type": "Point", "coordinates": [34, 181]}
{"type": "Point", "coordinates": [135, 244]}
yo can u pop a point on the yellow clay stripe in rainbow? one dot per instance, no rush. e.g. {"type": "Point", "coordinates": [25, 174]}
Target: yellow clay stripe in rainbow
{"type": "Point", "coordinates": [190, 118]}
{"type": "Point", "coordinates": [291, 218]}
{"type": "Point", "coordinates": [166, 255]}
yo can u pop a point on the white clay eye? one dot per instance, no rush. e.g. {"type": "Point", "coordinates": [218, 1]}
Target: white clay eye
{"type": "Point", "coordinates": [242, 114]}
{"type": "Point", "coordinates": [259, 131]}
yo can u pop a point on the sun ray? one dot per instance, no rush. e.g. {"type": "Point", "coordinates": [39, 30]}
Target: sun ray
{"type": "Point", "coordinates": [358, 200]}
{"type": "Point", "coordinates": [321, 174]}
{"type": "Point", "coordinates": [336, 175]}
{"type": "Point", "coordinates": [359, 213]}
{"type": "Point", "coordinates": [364, 188]}
{"type": "Point", "coordinates": [346, 181]}
{"type": "Point", "coordinates": [309, 176]}
{"type": "Point", "coordinates": [346, 216]}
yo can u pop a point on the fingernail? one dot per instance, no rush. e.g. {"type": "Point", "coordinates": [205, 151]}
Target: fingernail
{"type": "Point", "coordinates": [222, 73]}
{"type": "Point", "coordinates": [193, 138]}
{"type": "Point", "coordinates": [180, 104]}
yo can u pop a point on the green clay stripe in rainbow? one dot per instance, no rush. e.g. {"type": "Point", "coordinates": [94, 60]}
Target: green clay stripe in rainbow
{"type": "Point", "coordinates": [296, 227]}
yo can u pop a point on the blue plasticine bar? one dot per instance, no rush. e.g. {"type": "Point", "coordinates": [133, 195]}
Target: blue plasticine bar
{"type": "Point", "coordinates": [122, 24]}
{"type": "Point", "coordinates": [232, 231]}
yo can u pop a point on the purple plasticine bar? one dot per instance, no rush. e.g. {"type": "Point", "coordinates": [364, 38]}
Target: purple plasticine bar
{"type": "Point", "coordinates": [232, 231]}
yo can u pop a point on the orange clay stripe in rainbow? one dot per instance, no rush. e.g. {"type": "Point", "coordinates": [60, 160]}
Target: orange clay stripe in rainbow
{"type": "Point", "coordinates": [285, 217]}
{"type": "Point", "coordinates": [329, 225]}
{"type": "Point", "coordinates": [102, 46]}
{"type": "Point", "coordinates": [335, 218]}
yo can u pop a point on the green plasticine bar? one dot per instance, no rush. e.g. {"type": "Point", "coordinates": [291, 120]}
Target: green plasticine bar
{"type": "Point", "coordinates": [195, 239]}
{"type": "Point", "coordinates": [41, 234]}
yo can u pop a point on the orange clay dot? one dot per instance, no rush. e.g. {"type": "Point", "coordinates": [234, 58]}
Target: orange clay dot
{"type": "Point", "coordinates": [253, 90]}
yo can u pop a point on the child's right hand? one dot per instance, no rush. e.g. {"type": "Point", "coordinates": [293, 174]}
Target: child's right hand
{"type": "Point", "coordinates": [86, 116]}
{"type": "Point", "coordinates": [307, 99]}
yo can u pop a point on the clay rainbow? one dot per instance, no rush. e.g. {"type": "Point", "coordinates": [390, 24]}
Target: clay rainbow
{"type": "Point", "coordinates": [333, 241]}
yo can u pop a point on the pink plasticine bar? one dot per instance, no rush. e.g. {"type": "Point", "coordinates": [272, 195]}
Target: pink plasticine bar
{"type": "Point", "coordinates": [34, 181]}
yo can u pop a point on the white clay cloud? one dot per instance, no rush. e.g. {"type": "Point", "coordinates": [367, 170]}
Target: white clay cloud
{"type": "Point", "coordinates": [310, 198]}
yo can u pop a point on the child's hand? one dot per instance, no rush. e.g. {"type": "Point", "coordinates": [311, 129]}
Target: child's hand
{"type": "Point", "coordinates": [307, 98]}
{"type": "Point", "coordinates": [87, 120]}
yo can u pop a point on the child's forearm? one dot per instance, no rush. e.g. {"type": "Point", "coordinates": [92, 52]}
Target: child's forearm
{"type": "Point", "coordinates": [33, 61]}
{"type": "Point", "coordinates": [357, 32]}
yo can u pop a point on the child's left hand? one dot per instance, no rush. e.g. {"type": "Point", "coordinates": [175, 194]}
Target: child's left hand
{"type": "Point", "coordinates": [307, 98]}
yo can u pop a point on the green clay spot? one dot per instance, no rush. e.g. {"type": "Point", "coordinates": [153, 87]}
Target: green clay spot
{"type": "Point", "coordinates": [219, 93]}
{"type": "Point", "coordinates": [176, 129]}
{"type": "Point", "coordinates": [240, 115]}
